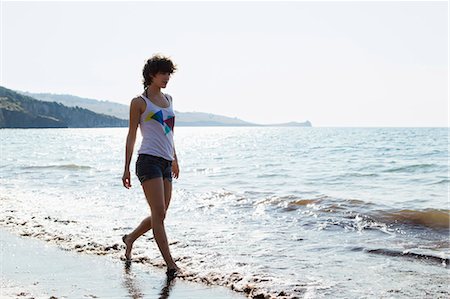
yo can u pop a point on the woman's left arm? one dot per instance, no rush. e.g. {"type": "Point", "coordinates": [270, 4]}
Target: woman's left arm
{"type": "Point", "coordinates": [175, 167]}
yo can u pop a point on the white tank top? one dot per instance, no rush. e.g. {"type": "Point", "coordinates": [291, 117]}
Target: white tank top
{"type": "Point", "coordinates": [156, 125]}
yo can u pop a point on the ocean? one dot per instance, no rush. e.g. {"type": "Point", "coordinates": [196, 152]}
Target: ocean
{"type": "Point", "coordinates": [286, 212]}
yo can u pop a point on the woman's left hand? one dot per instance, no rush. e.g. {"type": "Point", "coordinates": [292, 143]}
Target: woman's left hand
{"type": "Point", "coordinates": [175, 169]}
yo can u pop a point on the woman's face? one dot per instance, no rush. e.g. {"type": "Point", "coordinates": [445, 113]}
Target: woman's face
{"type": "Point", "coordinates": [161, 79]}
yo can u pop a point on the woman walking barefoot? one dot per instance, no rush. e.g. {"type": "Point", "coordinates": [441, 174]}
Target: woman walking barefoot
{"type": "Point", "coordinates": [157, 161]}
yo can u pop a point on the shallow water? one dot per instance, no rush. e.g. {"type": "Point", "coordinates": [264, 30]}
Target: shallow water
{"type": "Point", "coordinates": [306, 212]}
{"type": "Point", "coordinates": [32, 269]}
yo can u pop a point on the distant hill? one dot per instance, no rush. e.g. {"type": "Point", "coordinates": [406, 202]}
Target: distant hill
{"type": "Point", "coordinates": [21, 111]}
{"type": "Point", "coordinates": [122, 111]}
{"type": "Point", "coordinates": [292, 124]}
{"type": "Point", "coordinates": [104, 107]}
{"type": "Point", "coordinates": [207, 119]}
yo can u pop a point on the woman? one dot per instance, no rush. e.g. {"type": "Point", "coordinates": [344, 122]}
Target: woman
{"type": "Point", "coordinates": [157, 160]}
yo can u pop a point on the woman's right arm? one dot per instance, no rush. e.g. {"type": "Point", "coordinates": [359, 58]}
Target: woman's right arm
{"type": "Point", "coordinates": [135, 114]}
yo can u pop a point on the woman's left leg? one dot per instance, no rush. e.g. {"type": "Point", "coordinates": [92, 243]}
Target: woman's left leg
{"type": "Point", "coordinates": [145, 224]}
{"type": "Point", "coordinates": [167, 192]}
{"type": "Point", "coordinates": [155, 194]}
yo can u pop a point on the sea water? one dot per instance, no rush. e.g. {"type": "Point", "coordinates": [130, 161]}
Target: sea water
{"type": "Point", "coordinates": [278, 211]}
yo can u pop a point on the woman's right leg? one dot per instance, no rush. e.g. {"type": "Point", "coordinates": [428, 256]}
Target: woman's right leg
{"type": "Point", "coordinates": [129, 239]}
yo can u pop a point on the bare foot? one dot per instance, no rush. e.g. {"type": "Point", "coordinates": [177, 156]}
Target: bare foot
{"type": "Point", "coordinates": [129, 246]}
{"type": "Point", "coordinates": [173, 270]}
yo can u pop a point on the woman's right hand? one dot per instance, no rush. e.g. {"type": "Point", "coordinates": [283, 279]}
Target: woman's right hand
{"type": "Point", "coordinates": [126, 181]}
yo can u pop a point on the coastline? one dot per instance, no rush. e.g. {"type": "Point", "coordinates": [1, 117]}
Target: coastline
{"type": "Point", "coordinates": [32, 268]}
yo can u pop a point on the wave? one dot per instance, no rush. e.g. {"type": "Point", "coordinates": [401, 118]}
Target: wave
{"type": "Point", "coordinates": [433, 218]}
{"type": "Point", "coordinates": [304, 202]}
{"type": "Point", "coordinates": [329, 202]}
{"type": "Point", "coordinates": [356, 209]}
{"type": "Point", "coordinates": [62, 166]}
{"type": "Point", "coordinates": [407, 254]}
{"type": "Point", "coordinates": [357, 174]}
{"type": "Point", "coordinates": [444, 181]}
{"type": "Point", "coordinates": [412, 168]}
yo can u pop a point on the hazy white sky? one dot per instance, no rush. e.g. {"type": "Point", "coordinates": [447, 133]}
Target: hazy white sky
{"type": "Point", "coordinates": [333, 63]}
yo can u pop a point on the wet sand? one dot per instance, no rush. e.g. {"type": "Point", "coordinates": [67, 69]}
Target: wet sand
{"type": "Point", "coordinates": [35, 269]}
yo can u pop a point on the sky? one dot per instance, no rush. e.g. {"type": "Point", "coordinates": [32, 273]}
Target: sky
{"type": "Point", "coordinates": [336, 64]}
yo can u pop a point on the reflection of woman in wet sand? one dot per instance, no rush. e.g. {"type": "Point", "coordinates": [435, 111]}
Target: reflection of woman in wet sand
{"type": "Point", "coordinates": [132, 285]}
{"type": "Point", "coordinates": [157, 161]}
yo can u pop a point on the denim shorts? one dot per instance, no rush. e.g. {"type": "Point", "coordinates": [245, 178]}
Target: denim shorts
{"type": "Point", "coordinates": [150, 167]}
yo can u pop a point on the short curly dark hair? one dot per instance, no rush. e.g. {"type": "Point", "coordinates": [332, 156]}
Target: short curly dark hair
{"type": "Point", "coordinates": [157, 63]}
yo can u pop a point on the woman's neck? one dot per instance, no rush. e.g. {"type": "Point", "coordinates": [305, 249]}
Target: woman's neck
{"type": "Point", "coordinates": [153, 90]}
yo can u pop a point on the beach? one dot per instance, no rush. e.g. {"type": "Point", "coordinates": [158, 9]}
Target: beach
{"type": "Point", "coordinates": [35, 269]}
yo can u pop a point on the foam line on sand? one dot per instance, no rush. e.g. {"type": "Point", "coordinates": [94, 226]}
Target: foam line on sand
{"type": "Point", "coordinates": [31, 268]}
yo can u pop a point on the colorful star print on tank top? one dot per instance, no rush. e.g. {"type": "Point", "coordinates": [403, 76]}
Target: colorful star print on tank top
{"type": "Point", "coordinates": [157, 125]}
{"type": "Point", "coordinates": [159, 117]}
